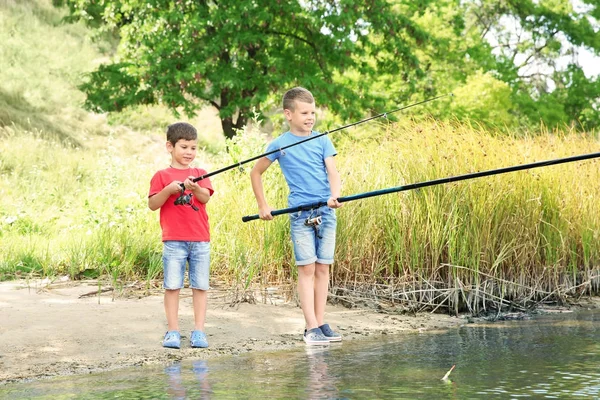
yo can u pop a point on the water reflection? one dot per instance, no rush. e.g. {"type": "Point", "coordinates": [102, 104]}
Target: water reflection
{"type": "Point", "coordinates": [320, 383]}
{"type": "Point", "coordinates": [552, 356]}
{"type": "Point", "coordinates": [178, 388]}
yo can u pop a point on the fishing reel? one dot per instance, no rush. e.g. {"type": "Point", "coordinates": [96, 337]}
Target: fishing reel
{"type": "Point", "coordinates": [313, 221]}
{"type": "Point", "coordinates": [186, 200]}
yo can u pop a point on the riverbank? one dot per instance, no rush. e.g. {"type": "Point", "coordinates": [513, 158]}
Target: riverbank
{"type": "Point", "coordinates": [66, 328]}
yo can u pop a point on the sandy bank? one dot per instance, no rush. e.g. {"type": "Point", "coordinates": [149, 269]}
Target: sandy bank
{"type": "Point", "coordinates": [61, 329]}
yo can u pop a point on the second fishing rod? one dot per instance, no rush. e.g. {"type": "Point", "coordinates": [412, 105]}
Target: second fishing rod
{"type": "Point", "coordinates": [412, 186]}
{"type": "Point", "coordinates": [185, 199]}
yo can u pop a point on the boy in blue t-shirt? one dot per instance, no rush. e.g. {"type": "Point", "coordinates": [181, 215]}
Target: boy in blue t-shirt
{"type": "Point", "coordinates": [312, 177]}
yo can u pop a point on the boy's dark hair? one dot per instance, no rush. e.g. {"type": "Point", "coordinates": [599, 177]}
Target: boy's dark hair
{"type": "Point", "coordinates": [296, 94]}
{"type": "Point", "coordinates": [181, 130]}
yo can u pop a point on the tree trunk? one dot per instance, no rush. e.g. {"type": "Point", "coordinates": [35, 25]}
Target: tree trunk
{"type": "Point", "coordinates": [227, 125]}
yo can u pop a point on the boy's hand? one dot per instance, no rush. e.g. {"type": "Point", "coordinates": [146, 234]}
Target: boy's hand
{"type": "Point", "coordinates": [189, 184]}
{"type": "Point", "coordinates": [333, 203]}
{"type": "Point", "coordinates": [265, 213]}
{"type": "Point", "coordinates": [200, 193]}
{"type": "Point", "coordinates": [174, 187]}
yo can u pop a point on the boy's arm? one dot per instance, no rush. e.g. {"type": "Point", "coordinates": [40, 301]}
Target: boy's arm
{"type": "Point", "coordinates": [156, 201]}
{"type": "Point", "coordinates": [335, 183]}
{"type": "Point", "coordinates": [264, 210]}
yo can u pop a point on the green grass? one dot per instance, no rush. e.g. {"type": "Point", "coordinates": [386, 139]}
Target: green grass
{"type": "Point", "coordinates": [76, 211]}
{"type": "Point", "coordinates": [74, 193]}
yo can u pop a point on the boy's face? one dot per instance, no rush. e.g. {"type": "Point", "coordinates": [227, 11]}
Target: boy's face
{"type": "Point", "coordinates": [183, 153]}
{"type": "Point", "coordinates": [302, 119]}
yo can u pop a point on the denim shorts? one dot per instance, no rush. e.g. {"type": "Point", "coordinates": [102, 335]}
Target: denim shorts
{"type": "Point", "coordinates": [176, 254]}
{"type": "Point", "coordinates": [314, 243]}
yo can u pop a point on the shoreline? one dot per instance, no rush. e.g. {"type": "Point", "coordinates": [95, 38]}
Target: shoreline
{"type": "Point", "coordinates": [49, 330]}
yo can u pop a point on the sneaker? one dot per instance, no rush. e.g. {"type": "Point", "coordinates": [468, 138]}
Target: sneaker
{"type": "Point", "coordinates": [315, 337]}
{"type": "Point", "coordinates": [198, 339]}
{"type": "Point", "coordinates": [330, 334]}
{"type": "Point", "coordinates": [172, 339]}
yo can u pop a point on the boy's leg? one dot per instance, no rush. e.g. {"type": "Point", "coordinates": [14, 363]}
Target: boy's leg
{"type": "Point", "coordinates": [306, 291]}
{"type": "Point", "coordinates": [303, 239]}
{"type": "Point", "coordinates": [199, 262]}
{"type": "Point", "coordinates": [321, 288]}
{"type": "Point", "coordinates": [325, 255]}
{"type": "Point", "coordinates": [172, 309]}
{"type": "Point", "coordinates": [199, 301]}
{"type": "Point", "coordinates": [174, 260]}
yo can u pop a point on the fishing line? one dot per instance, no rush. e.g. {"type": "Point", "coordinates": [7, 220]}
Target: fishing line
{"type": "Point", "coordinates": [184, 199]}
{"type": "Point", "coordinates": [434, 182]}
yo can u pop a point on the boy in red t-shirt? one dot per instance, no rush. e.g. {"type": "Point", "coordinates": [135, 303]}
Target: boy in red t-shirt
{"type": "Point", "coordinates": [185, 231]}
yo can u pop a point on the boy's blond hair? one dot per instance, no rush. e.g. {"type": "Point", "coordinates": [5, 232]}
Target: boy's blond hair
{"type": "Point", "coordinates": [296, 94]}
{"type": "Point", "coordinates": [181, 130]}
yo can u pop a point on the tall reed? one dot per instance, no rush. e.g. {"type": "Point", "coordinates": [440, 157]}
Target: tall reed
{"type": "Point", "coordinates": [523, 235]}
{"type": "Point", "coordinates": [527, 235]}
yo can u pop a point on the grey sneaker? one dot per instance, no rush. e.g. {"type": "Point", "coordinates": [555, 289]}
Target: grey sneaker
{"type": "Point", "coordinates": [330, 334]}
{"type": "Point", "coordinates": [315, 337]}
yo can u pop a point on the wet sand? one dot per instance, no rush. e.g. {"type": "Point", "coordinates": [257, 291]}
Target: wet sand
{"type": "Point", "coordinates": [55, 329]}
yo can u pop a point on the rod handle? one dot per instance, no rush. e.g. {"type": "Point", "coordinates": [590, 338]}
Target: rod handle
{"type": "Point", "coordinates": [273, 213]}
{"type": "Point", "coordinates": [284, 211]}
{"type": "Point", "coordinates": [247, 218]}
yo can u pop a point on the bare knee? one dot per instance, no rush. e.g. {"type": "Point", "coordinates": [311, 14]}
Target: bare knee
{"type": "Point", "coordinates": [306, 270]}
{"type": "Point", "coordinates": [321, 270]}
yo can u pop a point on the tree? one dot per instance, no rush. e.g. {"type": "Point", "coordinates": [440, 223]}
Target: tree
{"type": "Point", "coordinates": [536, 44]}
{"type": "Point", "coordinates": [234, 54]}
{"type": "Point", "coordinates": [531, 46]}
{"type": "Point", "coordinates": [448, 60]}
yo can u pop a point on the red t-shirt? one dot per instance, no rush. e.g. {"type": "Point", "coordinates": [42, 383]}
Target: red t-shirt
{"type": "Point", "coordinates": [182, 222]}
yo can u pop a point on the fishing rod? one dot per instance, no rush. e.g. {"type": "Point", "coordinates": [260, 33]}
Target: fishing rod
{"type": "Point", "coordinates": [186, 199]}
{"type": "Point", "coordinates": [308, 207]}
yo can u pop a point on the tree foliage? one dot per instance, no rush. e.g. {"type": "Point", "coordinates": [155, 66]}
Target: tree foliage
{"type": "Point", "coordinates": [355, 56]}
{"type": "Point", "coordinates": [484, 98]}
{"type": "Point", "coordinates": [233, 54]}
{"type": "Point", "coordinates": [536, 46]}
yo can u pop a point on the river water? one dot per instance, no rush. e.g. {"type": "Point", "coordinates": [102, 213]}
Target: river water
{"type": "Point", "coordinates": [548, 357]}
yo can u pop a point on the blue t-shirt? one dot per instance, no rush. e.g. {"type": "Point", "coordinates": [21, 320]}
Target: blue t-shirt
{"type": "Point", "coordinates": [303, 167]}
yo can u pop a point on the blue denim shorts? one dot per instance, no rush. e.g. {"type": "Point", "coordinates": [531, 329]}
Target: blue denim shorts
{"type": "Point", "coordinates": [314, 243]}
{"type": "Point", "coordinates": [175, 256]}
